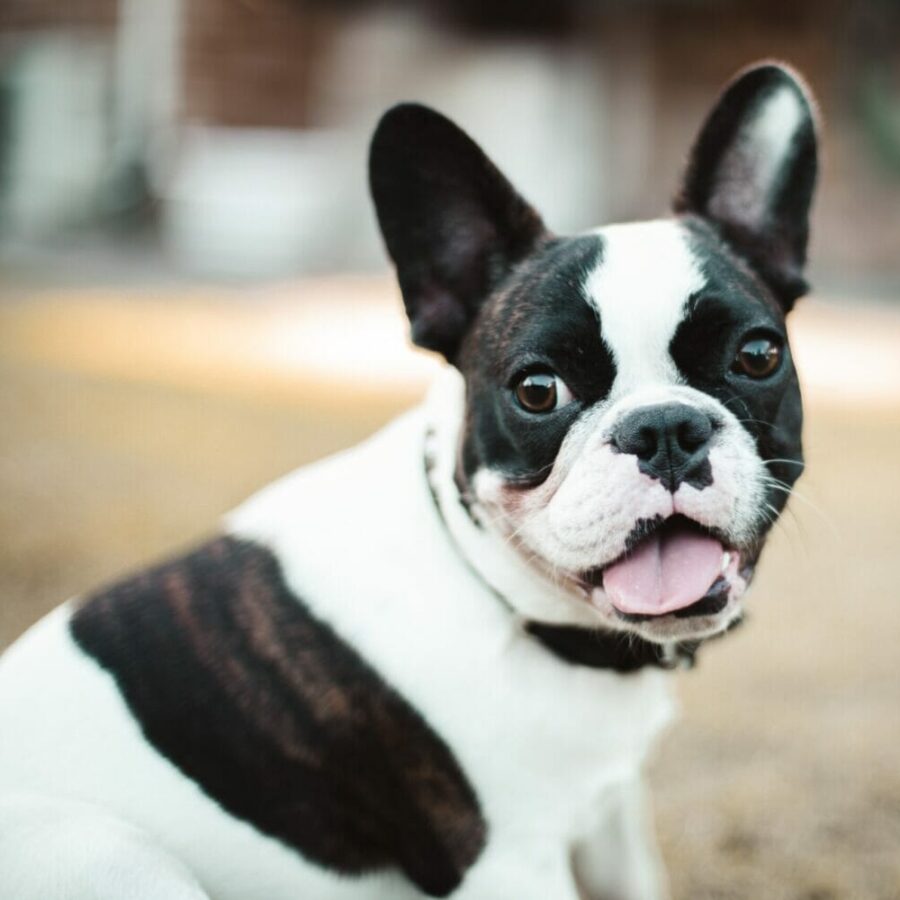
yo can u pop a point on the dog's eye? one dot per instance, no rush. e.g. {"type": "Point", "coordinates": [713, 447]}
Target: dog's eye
{"type": "Point", "coordinates": [758, 357]}
{"type": "Point", "coordinates": [542, 392]}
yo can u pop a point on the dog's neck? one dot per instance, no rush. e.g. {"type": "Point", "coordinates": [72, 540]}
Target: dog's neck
{"type": "Point", "coordinates": [527, 594]}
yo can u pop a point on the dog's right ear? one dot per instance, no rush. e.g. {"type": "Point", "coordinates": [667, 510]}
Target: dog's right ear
{"type": "Point", "coordinates": [752, 173]}
{"type": "Point", "coordinates": [452, 223]}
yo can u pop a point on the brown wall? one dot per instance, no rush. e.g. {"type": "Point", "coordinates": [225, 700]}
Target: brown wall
{"type": "Point", "coordinates": [28, 14]}
{"type": "Point", "coordinates": [252, 62]}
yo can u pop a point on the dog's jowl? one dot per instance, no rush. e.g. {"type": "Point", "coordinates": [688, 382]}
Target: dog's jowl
{"type": "Point", "coordinates": [434, 664]}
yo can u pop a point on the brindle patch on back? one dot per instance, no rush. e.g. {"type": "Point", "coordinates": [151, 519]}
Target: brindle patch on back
{"type": "Point", "coordinates": [234, 680]}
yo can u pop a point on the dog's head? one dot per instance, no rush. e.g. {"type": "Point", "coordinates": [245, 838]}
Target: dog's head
{"type": "Point", "coordinates": [632, 413]}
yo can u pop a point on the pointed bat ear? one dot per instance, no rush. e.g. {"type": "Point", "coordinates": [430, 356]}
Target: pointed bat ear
{"type": "Point", "coordinates": [752, 173]}
{"type": "Point", "coordinates": [452, 223]}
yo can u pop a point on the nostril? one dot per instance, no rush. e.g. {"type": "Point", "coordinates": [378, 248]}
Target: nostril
{"type": "Point", "coordinates": [637, 439]}
{"type": "Point", "coordinates": [645, 443]}
{"type": "Point", "coordinates": [694, 432]}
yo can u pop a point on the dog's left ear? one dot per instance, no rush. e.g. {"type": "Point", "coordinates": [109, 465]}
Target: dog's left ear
{"type": "Point", "coordinates": [752, 172]}
{"type": "Point", "coordinates": [452, 223]}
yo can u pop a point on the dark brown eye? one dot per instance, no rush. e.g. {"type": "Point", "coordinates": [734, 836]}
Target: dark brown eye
{"type": "Point", "coordinates": [758, 357]}
{"type": "Point", "coordinates": [542, 392]}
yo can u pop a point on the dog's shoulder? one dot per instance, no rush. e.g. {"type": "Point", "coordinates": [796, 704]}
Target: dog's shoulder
{"type": "Point", "coordinates": [233, 678]}
{"type": "Point", "coordinates": [233, 673]}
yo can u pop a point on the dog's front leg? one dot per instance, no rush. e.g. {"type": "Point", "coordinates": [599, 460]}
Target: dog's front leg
{"type": "Point", "coordinates": [619, 859]}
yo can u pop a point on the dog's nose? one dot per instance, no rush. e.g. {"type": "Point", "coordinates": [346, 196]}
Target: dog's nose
{"type": "Point", "coordinates": [671, 442]}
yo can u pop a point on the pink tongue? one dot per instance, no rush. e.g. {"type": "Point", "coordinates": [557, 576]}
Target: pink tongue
{"type": "Point", "coordinates": [667, 571]}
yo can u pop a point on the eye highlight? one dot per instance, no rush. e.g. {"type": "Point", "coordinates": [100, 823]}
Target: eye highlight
{"type": "Point", "coordinates": [541, 392]}
{"type": "Point", "coordinates": [758, 357]}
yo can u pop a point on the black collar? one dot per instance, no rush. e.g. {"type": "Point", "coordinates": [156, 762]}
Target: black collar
{"type": "Point", "coordinates": [601, 649]}
{"type": "Point", "coordinates": [596, 648]}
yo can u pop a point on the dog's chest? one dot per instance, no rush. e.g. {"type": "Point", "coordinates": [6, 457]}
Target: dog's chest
{"type": "Point", "coordinates": [531, 732]}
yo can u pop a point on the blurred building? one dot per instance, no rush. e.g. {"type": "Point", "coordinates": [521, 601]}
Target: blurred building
{"type": "Point", "coordinates": [231, 134]}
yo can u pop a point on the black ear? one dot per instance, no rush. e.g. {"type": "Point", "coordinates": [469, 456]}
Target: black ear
{"type": "Point", "coordinates": [753, 170]}
{"type": "Point", "coordinates": [452, 223]}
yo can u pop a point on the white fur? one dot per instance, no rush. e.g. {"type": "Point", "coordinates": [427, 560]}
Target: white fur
{"type": "Point", "coordinates": [750, 167]}
{"type": "Point", "coordinates": [54, 848]}
{"type": "Point", "coordinates": [544, 744]}
{"type": "Point", "coordinates": [534, 592]}
{"type": "Point", "coordinates": [640, 287]}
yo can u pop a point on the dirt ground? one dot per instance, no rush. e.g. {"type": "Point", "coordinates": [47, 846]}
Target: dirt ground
{"type": "Point", "coordinates": [781, 778]}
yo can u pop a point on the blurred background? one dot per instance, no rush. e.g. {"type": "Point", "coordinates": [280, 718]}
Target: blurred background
{"type": "Point", "coordinates": [194, 299]}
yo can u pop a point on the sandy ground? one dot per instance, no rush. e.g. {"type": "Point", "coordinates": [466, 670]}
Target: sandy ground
{"type": "Point", "coordinates": [782, 777]}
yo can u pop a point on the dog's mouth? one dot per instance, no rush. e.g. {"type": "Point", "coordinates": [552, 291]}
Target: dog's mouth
{"type": "Point", "coordinates": [676, 567]}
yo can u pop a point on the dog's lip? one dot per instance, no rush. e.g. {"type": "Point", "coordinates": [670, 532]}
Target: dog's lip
{"type": "Point", "coordinates": [714, 600]}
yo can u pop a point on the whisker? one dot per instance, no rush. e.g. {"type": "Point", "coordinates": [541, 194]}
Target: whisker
{"type": "Point", "coordinates": [751, 420]}
{"type": "Point", "coordinates": [792, 492]}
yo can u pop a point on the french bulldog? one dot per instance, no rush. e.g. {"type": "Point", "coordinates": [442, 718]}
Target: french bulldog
{"type": "Point", "coordinates": [433, 665]}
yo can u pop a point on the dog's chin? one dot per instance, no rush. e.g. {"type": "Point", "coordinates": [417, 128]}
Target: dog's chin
{"type": "Point", "coordinates": [679, 581]}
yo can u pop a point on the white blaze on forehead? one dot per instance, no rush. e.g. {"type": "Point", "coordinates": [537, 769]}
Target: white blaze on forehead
{"type": "Point", "coordinates": [750, 169]}
{"type": "Point", "coordinates": [640, 288]}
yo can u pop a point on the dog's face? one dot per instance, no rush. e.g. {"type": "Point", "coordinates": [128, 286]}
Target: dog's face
{"type": "Point", "coordinates": [632, 419]}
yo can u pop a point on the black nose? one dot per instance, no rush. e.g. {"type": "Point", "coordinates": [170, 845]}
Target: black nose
{"type": "Point", "coordinates": [671, 442]}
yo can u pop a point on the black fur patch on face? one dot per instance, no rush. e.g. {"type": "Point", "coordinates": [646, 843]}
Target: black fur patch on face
{"type": "Point", "coordinates": [736, 304]}
{"type": "Point", "coordinates": [538, 319]}
{"type": "Point", "coordinates": [701, 477]}
{"type": "Point", "coordinates": [642, 529]}
{"type": "Point", "coordinates": [278, 720]}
